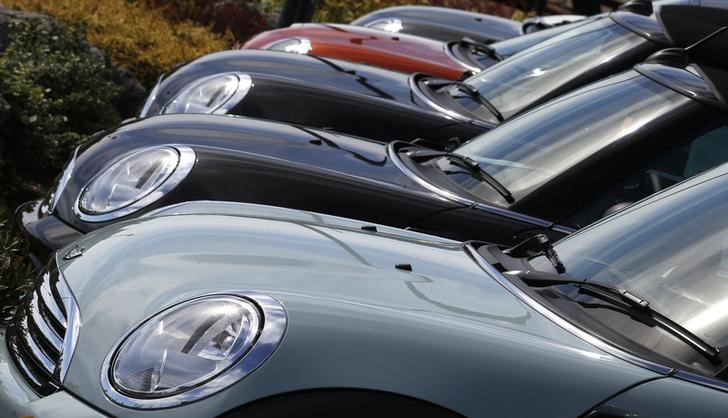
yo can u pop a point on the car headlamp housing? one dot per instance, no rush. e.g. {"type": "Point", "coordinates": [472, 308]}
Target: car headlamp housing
{"type": "Point", "coordinates": [193, 349]}
{"type": "Point", "coordinates": [217, 94]}
{"type": "Point", "coordinates": [296, 45]}
{"type": "Point", "coordinates": [392, 25]}
{"type": "Point", "coordinates": [133, 182]}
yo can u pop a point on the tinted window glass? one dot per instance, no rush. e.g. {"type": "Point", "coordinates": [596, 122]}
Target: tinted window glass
{"type": "Point", "coordinates": [703, 152]}
{"type": "Point", "coordinates": [672, 250]}
{"type": "Point", "coordinates": [535, 148]}
{"type": "Point", "coordinates": [537, 72]}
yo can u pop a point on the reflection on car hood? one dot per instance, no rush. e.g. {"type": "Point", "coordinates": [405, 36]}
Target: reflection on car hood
{"type": "Point", "coordinates": [445, 332]}
{"type": "Point", "coordinates": [397, 52]}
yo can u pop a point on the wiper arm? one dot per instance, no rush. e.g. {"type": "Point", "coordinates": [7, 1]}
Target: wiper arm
{"type": "Point", "coordinates": [467, 163]}
{"type": "Point", "coordinates": [480, 47]}
{"type": "Point", "coordinates": [475, 94]}
{"type": "Point", "coordinates": [535, 245]}
{"type": "Point", "coordinates": [471, 91]}
{"type": "Point", "coordinates": [615, 294]}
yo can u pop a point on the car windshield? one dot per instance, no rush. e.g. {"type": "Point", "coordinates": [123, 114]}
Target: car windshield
{"type": "Point", "coordinates": [532, 75]}
{"type": "Point", "coordinates": [512, 46]}
{"type": "Point", "coordinates": [671, 249]}
{"type": "Point", "coordinates": [529, 151]}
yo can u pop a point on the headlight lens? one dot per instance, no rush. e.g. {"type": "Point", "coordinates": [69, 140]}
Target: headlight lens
{"type": "Point", "coordinates": [185, 346]}
{"type": "Point", "coordinates": [387, 25]}
{"type": "Point", "coordinates": [214, 94]}
{"type": "Point", "coordinates": [297, 45]}
{"type": "Point", "coordinates": [192, 350]}
{"type": "Point", "coordinates": [134, 182]}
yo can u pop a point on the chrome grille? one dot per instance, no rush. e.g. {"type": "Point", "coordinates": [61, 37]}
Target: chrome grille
{"type": "Point", "coordinates": [43, 334]}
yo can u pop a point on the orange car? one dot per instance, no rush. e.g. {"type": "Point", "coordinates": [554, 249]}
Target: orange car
{"type": "Point", "coordinates": [405, 53]}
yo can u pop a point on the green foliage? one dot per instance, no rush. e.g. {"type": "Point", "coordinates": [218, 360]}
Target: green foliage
{"type": "Point", "coordinates": [55, 91]}
{"type": "Point", "coordinates": [135, 36]}
{"type": "Point", "coordinates": [344, 11]}
{"type": "Point", "coordinates": [16, 272]}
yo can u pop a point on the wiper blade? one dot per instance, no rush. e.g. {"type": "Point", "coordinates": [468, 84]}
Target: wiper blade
{"type": "Point", "coordinates": [480, 47]}
{"type": "Point", "coordinates": [475, 94]}
{"type": "Point", "coordinates": [471, 91]}
{"type": "Point", "coordinates": [624, 296]}
{"type": "Point", "coordinates": [467, 163]}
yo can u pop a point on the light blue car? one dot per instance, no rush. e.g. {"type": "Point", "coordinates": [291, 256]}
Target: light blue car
{"type": "Point", "coordinates": [236, 310]}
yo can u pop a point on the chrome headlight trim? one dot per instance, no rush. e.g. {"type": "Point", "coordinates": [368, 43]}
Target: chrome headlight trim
{"type": "Point", "coordinates": [303, 47]}
{"type": "Point", "coordinates": [386, 24]}
{"type": "Point", "coordinates": [245, 84]}
{"type": "Point", "coordinates": [63, 182]}
{"type": "Point", "coordinates": [269, 338]}
{"type": "Point", "coordinates": [151, 98]}
{"type": "Point", "coordinates": [187, 159]}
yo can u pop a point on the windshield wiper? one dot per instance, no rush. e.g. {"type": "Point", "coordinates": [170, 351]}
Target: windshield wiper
{"type": "Point", "coordinates": [472, 93]}
{"type": "Point", "coordinates": [535, 245]}
{"type": "Point", "coordinates": [637, 304]}
{"type": "Point", "coordinates": [467, 163]}
{"type": "Point", "coordinates": [480, 47]}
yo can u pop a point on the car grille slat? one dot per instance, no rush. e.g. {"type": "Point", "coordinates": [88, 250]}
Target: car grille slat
{"type": "Point", "coordinates": [49, 335]}
{"type": "Point", "coordinates": [41, 358]}
{"type": "Point", "coordinates": [37, 339]}
{"type": "Point", "coordinates": [48, 301]}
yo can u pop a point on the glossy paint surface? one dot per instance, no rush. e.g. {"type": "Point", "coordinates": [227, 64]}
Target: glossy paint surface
{"type": "Point", "coordinates": [405, 53]}
{"type": "Point", "coordinates": [255, 161]}
{"type": "Point", "coordinates": [320, 92]}
{"type": "Point", "coordinates": [445, 332]}
{"type": "Point", "coordinates": [445, 24]}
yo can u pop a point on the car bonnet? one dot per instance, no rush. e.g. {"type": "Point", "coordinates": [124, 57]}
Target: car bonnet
{"type": "Point", "coordinates": [380, 309]}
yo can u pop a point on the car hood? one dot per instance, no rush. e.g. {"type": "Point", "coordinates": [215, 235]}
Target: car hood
{"type": "Point", "coordinates": [445, 332]}
{"type": "Point", "coordinates": [397, 52]}
{"type": "Point", "coordinates": [321, 92]}
{"type": "Point", "coordinates": [445, 23]}
{"type": "Point", "coordinates": [250, 160]}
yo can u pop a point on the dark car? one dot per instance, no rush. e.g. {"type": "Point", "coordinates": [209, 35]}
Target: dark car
{"type": "Point", "coordinates": [386, 105]}
{"type": "Point", "coordinates": [446, 24]}
{"type": "Point", "coordinates": [595, 151]}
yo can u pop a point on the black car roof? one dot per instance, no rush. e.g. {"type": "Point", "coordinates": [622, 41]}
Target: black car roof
{"type": "Point", "coordinates": [679, 69]}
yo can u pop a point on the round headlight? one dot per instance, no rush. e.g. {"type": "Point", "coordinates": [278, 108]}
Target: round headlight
{"type": "Point", "coordinates": [297, 45]}
{"type": "Point", "coordinates": [392, 25]}
{"type": "Point", "coordinates": [213, 94]}
{"type": "Point", "coordinates": [133, 182]}
{"type": "Point", "coordinates": [193, 349]}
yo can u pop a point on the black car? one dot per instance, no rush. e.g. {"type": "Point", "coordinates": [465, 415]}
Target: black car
{"type": "Point", "coordinates": [385, 105]}
{"type": "Point", "coordinates": [446, 24]}
{"type": "Point", "coordinates": [595, 151]}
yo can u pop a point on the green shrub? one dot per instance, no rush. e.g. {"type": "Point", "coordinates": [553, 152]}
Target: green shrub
{"type": "Point", "coordinates": [343, 11]}
{"type": "Point", "coordinates": [16, 272]}
{"type": "Point", "coordinates": [55, 91]}
{"type": "Point", "coordinates": [136, 37]}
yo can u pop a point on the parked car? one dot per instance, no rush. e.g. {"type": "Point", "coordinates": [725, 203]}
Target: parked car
{"type": "Point", "coordinates": [445, 24]}
{"type": "Point", "coordinates": [553, 170]}
{"type": "Point", "coordinates": [218, 309]}
{"type": "Point", "coordinates": [399, 52]}
{"type": "Point", "coordinates": [385, 105]}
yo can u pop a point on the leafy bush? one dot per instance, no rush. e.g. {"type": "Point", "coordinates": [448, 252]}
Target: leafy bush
{"type": "Point", "coordinates": [16, 272]}
{"type": "Point", "coordinates": [55, 91]}
{"type": "Point", "coordinates": [241, 18]}
{"type": "Point", "coordinates": [345, 11]}
{"type": "Point", "coordinates": [134, 36]}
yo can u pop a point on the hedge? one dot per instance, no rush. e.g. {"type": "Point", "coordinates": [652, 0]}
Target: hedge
{"type": "Point", "coordinates": [135, 36]}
